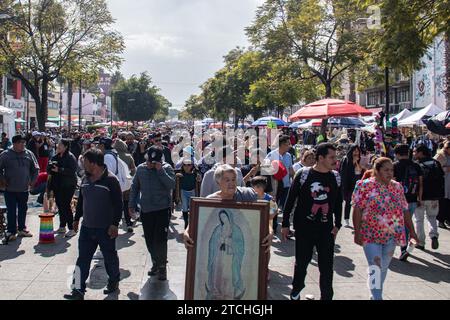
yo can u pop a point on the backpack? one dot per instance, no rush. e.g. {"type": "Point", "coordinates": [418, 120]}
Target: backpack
{"type": "Point", "coordinates": [433, 179]}
{"type": "Point", "coordinates": [410, 181]}
{"type": "Point", "coordinates": [304, 172]}
{"type": "Point", "coordinates": [122, 173]}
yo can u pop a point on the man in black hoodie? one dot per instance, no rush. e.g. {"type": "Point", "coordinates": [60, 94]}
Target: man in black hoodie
{"type": "Point", "coordinates": [100, 206]}
{"type": "Point", "coordinates": [317, 192]}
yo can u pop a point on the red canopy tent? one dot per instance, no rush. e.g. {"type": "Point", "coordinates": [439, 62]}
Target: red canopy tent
{"type": "Point", "coordinates": [330, 108]}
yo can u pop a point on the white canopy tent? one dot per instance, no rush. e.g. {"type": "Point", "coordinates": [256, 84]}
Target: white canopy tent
{"type": "Point", "coordinates": [8, 125]}
{"type": "Point", "coordinates": [402, 115]}
{"type": "Point", "coordinates": [416, 117]}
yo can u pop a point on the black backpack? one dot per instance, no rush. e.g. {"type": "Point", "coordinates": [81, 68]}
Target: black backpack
{"type": "Point", "coordinates": [433, 178]}
{"type": "Point", "coordinates": [410, 180]}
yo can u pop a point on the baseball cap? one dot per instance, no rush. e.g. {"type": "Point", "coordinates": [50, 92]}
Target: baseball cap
{"type": "Point", "coordinates": [18, 138]}
{"type": "Point", "coordinates": [154, 154]}
{"type": "Point", "coordinates": [107, 142]}
{"type": "Point", "coordinates": [36, 134]}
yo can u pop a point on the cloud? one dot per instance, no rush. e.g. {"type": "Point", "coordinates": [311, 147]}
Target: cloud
{"type": "Point", "coordinates": [181, 43]}
{"type": "Point", "coordinates": [157, 45]}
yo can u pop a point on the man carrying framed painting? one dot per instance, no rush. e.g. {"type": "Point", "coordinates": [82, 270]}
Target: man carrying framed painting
{"type": "Point", "coordinates": [317, 193]}
{"type": "Point", "coordinates": [226, 241]}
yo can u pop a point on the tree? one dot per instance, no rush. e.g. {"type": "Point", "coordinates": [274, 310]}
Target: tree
{"type": "Point", "coordinates": [163, 109]}
{"type": "Point", "coordinates": [281, 87]}
{"type": "Point", "coordinates": [195, 108]}
{"type": "Point", "coordinates": [46, 37]}
{"type": "Point", "coordinates": [136, 99]}
{"type": "Point", "coordinates": [315, 33]}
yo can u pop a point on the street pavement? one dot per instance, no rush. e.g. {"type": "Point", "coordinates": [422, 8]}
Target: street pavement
{"type": "Point", "coordinates": [31, 271]}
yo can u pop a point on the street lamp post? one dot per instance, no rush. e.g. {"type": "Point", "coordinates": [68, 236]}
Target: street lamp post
{"type": "Point", "coordinates": [112, 97]}
{"type": "Point", "coordinates": [387, 93]}
{"type": "Point", "coordinates": [60, 107]}
{"type": "Point", "coordinates": [80, 106]}
{"type": "Point", "coordinates": [128, 113]}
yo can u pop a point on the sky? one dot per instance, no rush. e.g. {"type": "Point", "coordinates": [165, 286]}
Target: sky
{"type": "Point", "coordinates": [181, 43]}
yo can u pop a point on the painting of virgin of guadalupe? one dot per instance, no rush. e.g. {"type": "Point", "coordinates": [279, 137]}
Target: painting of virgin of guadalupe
{"type": "Point", "coordinates": [225, 254]}
{"type": "Point", "coordinates": [227, 251]}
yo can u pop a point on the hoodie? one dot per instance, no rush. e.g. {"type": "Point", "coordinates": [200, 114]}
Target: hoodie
{"type": "Point", "coordinates": [18, 169]}
{"type": "Point", "coordinates": [122, 150]}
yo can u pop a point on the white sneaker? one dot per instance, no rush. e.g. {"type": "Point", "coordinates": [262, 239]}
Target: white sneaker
{"type": "Point", "coordinates": [347, 222]}
{"type": "Point", "coordinates": [61, 231]}
{"type": "Point", "coordinates": [70, 234]}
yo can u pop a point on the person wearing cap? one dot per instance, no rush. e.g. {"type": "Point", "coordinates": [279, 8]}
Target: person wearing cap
{"type": "Point", "coordinates": [154, 181]}
{"type": "Point", "coordinates": [18, 172]}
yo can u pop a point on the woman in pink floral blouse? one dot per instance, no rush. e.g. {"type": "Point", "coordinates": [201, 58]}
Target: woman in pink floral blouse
{"type": "Point", "coordinates": [379, 218]}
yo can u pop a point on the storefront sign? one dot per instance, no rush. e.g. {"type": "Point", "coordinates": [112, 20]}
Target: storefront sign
{"type": "Point", "coordinates": [17, 105]}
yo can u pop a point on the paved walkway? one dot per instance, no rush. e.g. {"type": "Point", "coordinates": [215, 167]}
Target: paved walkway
{"type": "Point", "coordinates": [32, 271]}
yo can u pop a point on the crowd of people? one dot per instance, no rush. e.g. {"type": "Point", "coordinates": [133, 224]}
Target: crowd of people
{"type": "Point", "coordinates": [99, 179]}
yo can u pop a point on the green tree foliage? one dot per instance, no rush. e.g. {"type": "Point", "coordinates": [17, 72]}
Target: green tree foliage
{"type": "Point", "coordinates": [47, 39]}
{"type": "Point", "coordinates": [317, 34]}
{"type": "Point", "coordinates": [195, 108]}
{"type": "Point", "coordinates": [282, 87]}
{"type": "Point", "coordinates": [407, 29]}
{"type": "Point", "coordinates": [136, 99]}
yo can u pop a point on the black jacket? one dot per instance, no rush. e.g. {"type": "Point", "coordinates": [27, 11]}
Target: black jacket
{"type": "Point", "coordinates": [347, 172]}
{"type": "Point", "coordinates": [100, 202]}
{"type": "Point", "coordinates": [75, 148]}
{"type": "Point", "coordinates": [66, 177]}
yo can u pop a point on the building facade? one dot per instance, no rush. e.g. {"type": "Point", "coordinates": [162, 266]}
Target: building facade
{"type": "Point", "coordinates": [425, 86]}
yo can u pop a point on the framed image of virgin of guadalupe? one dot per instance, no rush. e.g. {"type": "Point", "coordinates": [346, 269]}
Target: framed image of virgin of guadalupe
{"type": "Point", "coordinates": [227, 261]}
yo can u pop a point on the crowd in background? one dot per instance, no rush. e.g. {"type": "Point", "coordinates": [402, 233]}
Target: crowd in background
{"type": "Point", "coordinates": [151, 173]}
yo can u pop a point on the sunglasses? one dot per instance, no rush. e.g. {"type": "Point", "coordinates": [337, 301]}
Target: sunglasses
{"type": "Point", "coordinates": [158, 140]}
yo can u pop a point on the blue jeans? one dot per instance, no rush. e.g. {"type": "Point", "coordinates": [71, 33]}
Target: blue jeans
{"type": "Point", "coordinates": [379, 257]}
{"type": "Point", "coordinates": [186, 199]}
{"type": "Point", "coordinates": [88, 242]}
{"type": "Point", "coordinates": [411, 208]}
{"type": "Point", "coordinates": [16, 206]}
